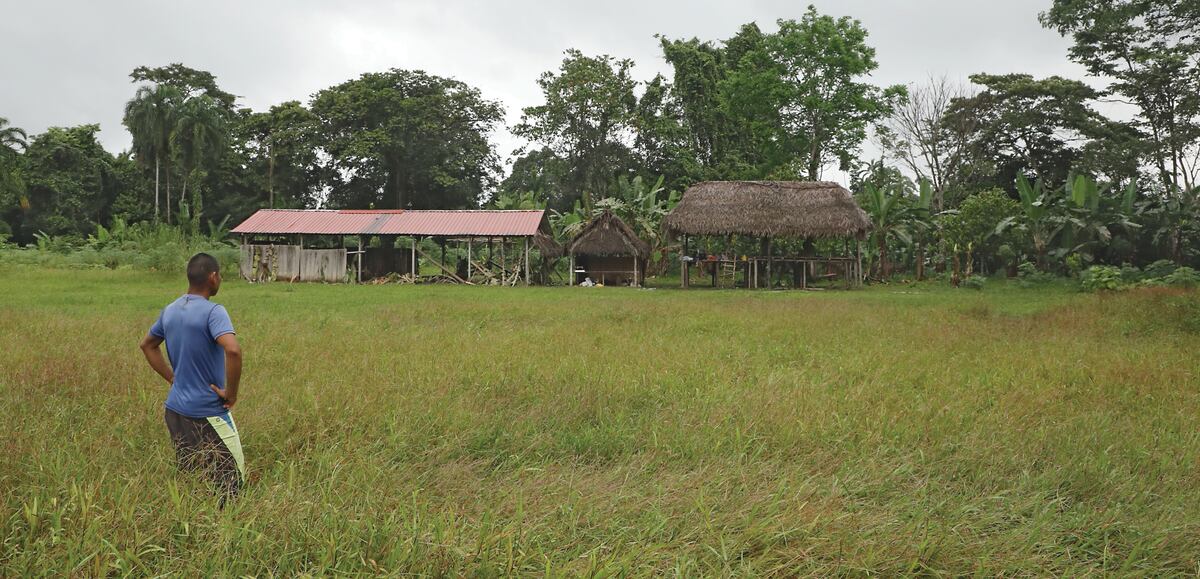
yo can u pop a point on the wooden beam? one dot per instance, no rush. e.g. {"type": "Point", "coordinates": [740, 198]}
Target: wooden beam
{"type": "Point", "coordinates": [446, 270]}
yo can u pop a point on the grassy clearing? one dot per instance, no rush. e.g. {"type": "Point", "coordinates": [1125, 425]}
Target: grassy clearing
{"type": "Point", "coordinates": [449, 430]}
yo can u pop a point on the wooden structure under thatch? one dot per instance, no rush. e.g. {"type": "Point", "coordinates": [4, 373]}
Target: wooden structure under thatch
{"type": "Point", "coordinates": [609, 252]}
{"type": "Point", "coordinates": [767, 210]}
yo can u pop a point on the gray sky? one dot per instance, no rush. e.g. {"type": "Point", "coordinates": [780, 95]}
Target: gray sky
{"type": "Point", "coordinates": [67, 63]}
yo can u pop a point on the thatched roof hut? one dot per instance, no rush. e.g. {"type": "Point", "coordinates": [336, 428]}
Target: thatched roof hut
{"type": "Point", "coordinates": [546, 245]}
{"type": "Point", "coordinates": [800, 209]}
{"type": "Point", "coordinates": [606, 235]}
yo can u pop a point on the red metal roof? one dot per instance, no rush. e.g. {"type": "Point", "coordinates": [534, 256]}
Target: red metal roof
{"type": "Point", "coordinates": [472, 223]}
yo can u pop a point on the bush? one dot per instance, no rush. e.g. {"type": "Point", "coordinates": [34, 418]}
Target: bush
{"type": "Point", "coordinates": [974, 282]}
{"type": "Point", "coordinates": [1161, 268]}
{"type": "Point", "coordinates": [153, 247]}
{"type": "Point", "coordinates": [1130, 274]}
{"type": "Point", "coordinates": [1101, 278]}
{"type": "Point", "coordinates": [1029, 275]}
{"type": "Point", "coordinates": [1182, 277]}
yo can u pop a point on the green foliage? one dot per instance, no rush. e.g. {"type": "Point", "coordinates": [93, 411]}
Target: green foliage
{"type": "Point", "coordinates": [975, 282]}
{"type": "Point", "coordinates": [1184, 277]}
{"type": "Point", "coordinates": [976, 222]}
{"type": "Point", "coordinates": [1149, 51]}
{"type": "Point", "coordinates": [588, 110]}
{"type": "Point", "coordinates": [1101, 278]}
{"type": "Point", "coordinates": [811, 81]}
{"type": "Point", "coordinates": [155, 247]}
{"type": "Point", "coordinates": [401, 138]}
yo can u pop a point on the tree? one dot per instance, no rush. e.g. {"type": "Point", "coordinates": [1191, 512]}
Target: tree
{"type": "Point", "coordinates": [542, 173]}
{"type": "Point", "coordinates": [69, 181]}
{"type": "Point", "coordinates": [727, 133]}
{"type": "Point", "coordinates": [406, 138]}
{"type": "Point", "coordinates": [1149, 49]}
{"type": "Point", "coordinates": [972, 228]}
{"type": "Point", "coordinates": [814, 83]}
{"type": "Point", "coordinates": [587, 120]}
{"type": "Point", "coordinates": [1040, 127]}
{"type": "Point", "coordinates": [283, 140]}
{"type": "Point", "coordinates": [933, 145]}
{"type": "Point", "coordinates": [189, 82]}
{"type": "Point", "coordinates": [150, 118]}
{"type": "Point", "coordinates": [198, 137]}
{"type": "Point", "coordinates": [889, 212]}
{"type": "Point", "coordinates": [1041, 218]}
{"type": "Point", "coordinates": [12, 186]}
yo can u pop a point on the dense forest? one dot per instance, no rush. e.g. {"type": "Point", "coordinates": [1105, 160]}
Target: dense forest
{"type": "Point", "coordinates": [1006, 172]}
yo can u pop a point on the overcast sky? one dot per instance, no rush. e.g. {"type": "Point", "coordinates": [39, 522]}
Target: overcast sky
{"type": "Point", "coordinates": [67, 63]}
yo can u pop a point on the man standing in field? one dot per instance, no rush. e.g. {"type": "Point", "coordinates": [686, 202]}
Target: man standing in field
{"type": "Point", "coordinates": [206, 365]}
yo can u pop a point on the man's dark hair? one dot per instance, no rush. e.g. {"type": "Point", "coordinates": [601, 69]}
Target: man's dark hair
{"type": "Point", "coordinates": [200, 266]}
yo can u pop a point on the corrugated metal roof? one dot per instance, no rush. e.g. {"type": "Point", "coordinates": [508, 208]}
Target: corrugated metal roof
{"type": "Point", "coordinates": [476, 223]}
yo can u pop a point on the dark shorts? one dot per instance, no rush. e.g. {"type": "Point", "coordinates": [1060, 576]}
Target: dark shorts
{"type": "Point", "coordinates": [209, 445]}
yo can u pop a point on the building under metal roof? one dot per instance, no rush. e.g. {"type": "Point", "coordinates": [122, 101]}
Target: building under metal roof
{"type": "Point", "coordinates": [417, 223]}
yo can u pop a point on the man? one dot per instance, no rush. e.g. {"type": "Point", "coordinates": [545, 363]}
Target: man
{"type": "Point", "coordinates": [206, 365]}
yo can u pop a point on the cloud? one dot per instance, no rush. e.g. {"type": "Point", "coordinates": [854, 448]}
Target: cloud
{"type": "Point", "coordinates": [73, 59]}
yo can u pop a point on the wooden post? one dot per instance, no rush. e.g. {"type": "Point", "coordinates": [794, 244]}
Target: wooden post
{"type": "Point", "coordinates": [858, 267]}
{"type": "Point", "coordinates": [526, 261]}
{"type": "Point", "coordinates": [804, 275]}
{"type": "Point", "coordinates": [635, 272]}
{"type": "Point", "coordinates": [503, 263]}
{"type": "Point", "coordinates": [770, 264]}
{"type": "Point", "coordinates": [361, 249]}
{"type": "Point", "coordinates": [571, 273]}
{"type": "Point", "coordinates": [685, 272]}
{"type": "Point", "coordinates": [300, 260]}
{"type": "Point", "coordinates": [412, 265]}
{"type": "Point", "coordinates": [469, 239]}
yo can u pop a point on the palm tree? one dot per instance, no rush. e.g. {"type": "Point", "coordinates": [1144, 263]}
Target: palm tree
{"type": "Point", "coordinates": [11, 138]}
{"type": "Point", "coordinates": [150, 118]}
{"type": "Point", "coordinates": [198, 136]}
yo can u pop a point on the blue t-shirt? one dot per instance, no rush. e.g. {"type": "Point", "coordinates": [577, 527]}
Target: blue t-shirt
{"type": "Point", "coordinates": [191, 325]}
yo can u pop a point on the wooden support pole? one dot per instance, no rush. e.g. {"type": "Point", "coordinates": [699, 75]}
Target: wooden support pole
{"type": "Point", "coordinates": [412, 265]}
{"type": "Point", "coordinates": [526, 261]}
{"type": "Point", "coordinates": [635, 272]}
{"type": "Point", "coordinates": [858, 266]}
{"type": "Point", "coordinates": [685, 274]}
{"type": "Point", "coordinates": [361, 249]}
{"type": "Point", "coordinates": [469, 239]}
{"type": "Point", "coordinates": [572, 270]}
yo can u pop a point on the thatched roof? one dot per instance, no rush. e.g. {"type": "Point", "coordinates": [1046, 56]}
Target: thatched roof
{"type": "Point", "coordinates": [768, 209]}
{"type": "Point", "coordinates": [606, 234]}
{"type": "Point", "coordinates": [547, 246]}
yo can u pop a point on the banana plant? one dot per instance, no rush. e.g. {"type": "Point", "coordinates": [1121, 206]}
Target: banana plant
{"type": "Point", "coordinates": [890, 218]}
{"type": "Point", "coordinates": [1041, 219]}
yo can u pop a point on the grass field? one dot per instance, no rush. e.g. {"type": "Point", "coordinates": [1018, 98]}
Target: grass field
{"type": "Point", "coordinates": [452, 430]}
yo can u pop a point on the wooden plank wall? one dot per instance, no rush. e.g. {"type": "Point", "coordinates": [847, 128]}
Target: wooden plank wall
{"type": "Point", "coordinates": [291, 262]}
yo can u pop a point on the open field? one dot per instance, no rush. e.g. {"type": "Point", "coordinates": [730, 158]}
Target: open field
{"type": "Point", "coordinates": [449, 430]}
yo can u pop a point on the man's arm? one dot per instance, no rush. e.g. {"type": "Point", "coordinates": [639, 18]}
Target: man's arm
{"type": "Point", "coordinates": [233, 369]}
{"type": "Point", "coordinates": [150, 347]}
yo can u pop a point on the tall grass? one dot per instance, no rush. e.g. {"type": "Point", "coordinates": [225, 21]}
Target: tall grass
{"type": "Point", "coordinates": [454, 430]}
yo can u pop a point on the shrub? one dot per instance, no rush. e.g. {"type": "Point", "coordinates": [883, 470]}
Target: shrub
{"type": "Point", "coordinates": [974, 282]}
{"type": "Point", "coordinates": [1030, 275]}
{"type": "Point", "coordinates": [1182, 277]}
{"type": "Point", "coordinates": [1101, 278]}
{"type": "Point", "coordinates": [1160, 268]}
{"type": "Point", "coordinates": [1130, 274]}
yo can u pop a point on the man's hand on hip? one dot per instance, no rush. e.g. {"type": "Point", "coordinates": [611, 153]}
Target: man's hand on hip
{"type": "Point", "coordinates": [226, 401]}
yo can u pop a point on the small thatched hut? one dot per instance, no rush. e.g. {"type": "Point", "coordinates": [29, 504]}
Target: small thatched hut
{"type": "Point", "coordinates": [609, 252]}
{"type": "Point", "coordinates": [768, 210]}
